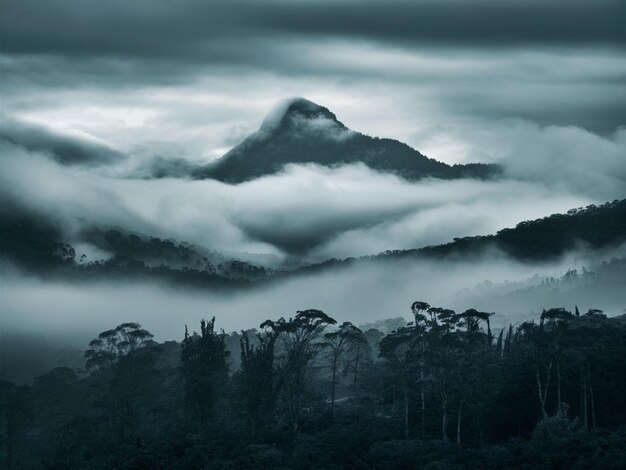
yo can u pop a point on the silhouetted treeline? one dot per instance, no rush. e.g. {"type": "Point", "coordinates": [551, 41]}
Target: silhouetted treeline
{"type": "Point", "coordinates": [444, 391]}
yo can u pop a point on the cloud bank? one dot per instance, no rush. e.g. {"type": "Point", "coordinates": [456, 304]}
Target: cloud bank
{"type": "Point", "coordinates": [65, 148]}
{"type": "Point", "coordinates": [313, 213]}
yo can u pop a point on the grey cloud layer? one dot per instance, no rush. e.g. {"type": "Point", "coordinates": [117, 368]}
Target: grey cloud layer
{"type": "Point", "coordinates": [200, 72]}
{"type": "Point", "coordinates": [483, 23]}
{"type": "Point", "coordinates": [66, 149]}
{"type": "Point", "coordinates": [190, 28]}
{"type": "Point", "coordinates": [318, 212]}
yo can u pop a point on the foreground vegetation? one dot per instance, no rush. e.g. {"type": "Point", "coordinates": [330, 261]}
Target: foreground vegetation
{"type": "Point", "coordinates": [444, 391]}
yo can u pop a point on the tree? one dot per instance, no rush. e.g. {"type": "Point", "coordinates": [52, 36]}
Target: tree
{"type": "Point", "coordinates": [15, 415]}
{"type": "Point", "coordinates": [395, 349]}
{"type": "Point", "coordinates": [256, 377]}
{"type": "Point", "coordinates": [113, 344]}
{"type": "Point", "coordinates": [417, 308]}
{"type": "Point", "coordinates": [420, 329]}
{"type": "Point", "coordinates": [358, 354]}
{"type": "Point", "coordinates": [130, 387]}
{"type": "Point", "coordinates": [471, 319]}
{"type": "Point", "coordinates": [543, 360]}
{"type": "Point", "coordinates": [555, 320]}
{"type": "Point", "coordinates": [441, 343]}
{"type": "Point", "coordinates": [339, 341]}
{"type": "Point", "coordinates": [204, 371]}
{"type": "Point", "coordinates": [301, 342]}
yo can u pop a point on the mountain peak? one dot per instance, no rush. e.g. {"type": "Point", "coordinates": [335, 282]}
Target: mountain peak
{"type": "Point", "coordinates": [296, 111]}
{"type": "Point", "coordinates": [299, 131]}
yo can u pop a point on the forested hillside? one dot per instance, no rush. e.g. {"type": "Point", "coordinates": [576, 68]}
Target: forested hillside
{"type": "Point", "coordinates": [37, 244]}
{"type": "Point", "coordinates": [444, 391]}
{"type": "Point", "coordinates": [589, 227]}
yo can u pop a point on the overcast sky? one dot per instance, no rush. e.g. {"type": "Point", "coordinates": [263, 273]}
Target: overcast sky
{"type": "Point", "coordinates": [189, 79]}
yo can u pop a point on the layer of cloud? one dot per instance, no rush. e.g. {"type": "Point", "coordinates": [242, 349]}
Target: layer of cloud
{"type": "Point", "coordinates": [318, 213]}
{"type": "Point", "coordinates": [155, 28]}
{"type": "Point", "coordinates": [190, 81]}
{"type": "Point", "coordinates": [568, 158]}
{"type": "Point", "coordinates": [63, 147]}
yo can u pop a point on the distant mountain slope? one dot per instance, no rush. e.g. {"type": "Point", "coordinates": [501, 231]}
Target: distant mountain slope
{"type": "Point", "coordinates": [546, 238]}
{"type": "Point", "coordinates": [37, 244]}
{"type": "Point", "coordinates": [593, 227]}
{"type": "Point", "coordinates": [304, 132]}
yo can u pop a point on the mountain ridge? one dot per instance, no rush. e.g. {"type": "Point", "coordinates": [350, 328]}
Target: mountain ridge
{"type": "Point", "coordinates": [300, 131]}
{"type": "Point", "coordinates": [33, 243]}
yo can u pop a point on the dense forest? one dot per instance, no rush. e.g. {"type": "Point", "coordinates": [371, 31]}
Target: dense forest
{"type": "Point", "coordinates": [443, 391]}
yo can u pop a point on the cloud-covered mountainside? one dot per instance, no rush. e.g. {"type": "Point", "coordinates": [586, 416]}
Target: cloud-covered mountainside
{"type": "Point", "coordinates": [300, 132]}
{"type": "Point", "coordinates": [38, 245]}
{"type": "Point", "coordinates": [305, 234]}
{"type": "Point", "coordinates": [317, 191]}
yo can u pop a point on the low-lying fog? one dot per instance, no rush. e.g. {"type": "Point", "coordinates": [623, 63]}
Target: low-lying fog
{"type": "Point", "coordinates": [365, 292]}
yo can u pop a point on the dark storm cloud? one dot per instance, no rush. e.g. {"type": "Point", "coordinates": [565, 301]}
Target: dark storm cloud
{"type": "Point", "coordinates": [66, 149]}
{"type": "Point", "coordinates": [297, 236]}
{"type": "Point", "coordinates": [482, 23]}
{"type": "Point", "coordinates": [196, 29]}
{"type": "Point", "coordinates": [129, 46]}
{"type": "Point", "coordinates": [143, 29]}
